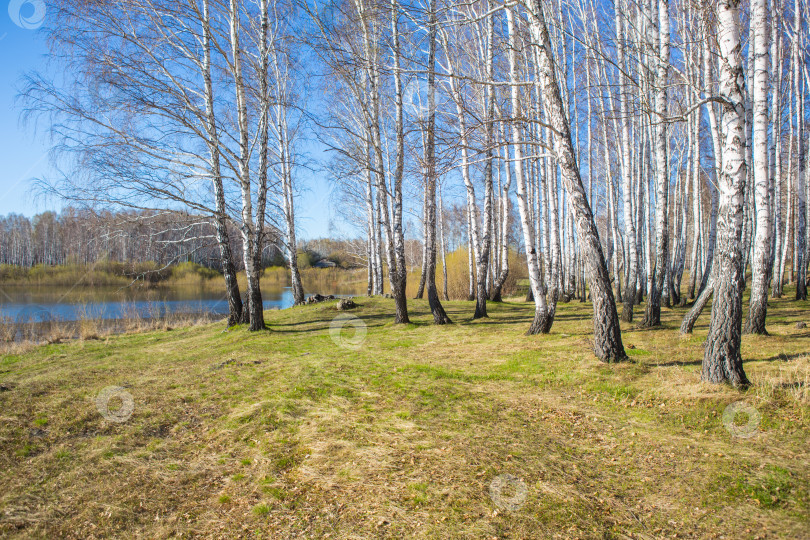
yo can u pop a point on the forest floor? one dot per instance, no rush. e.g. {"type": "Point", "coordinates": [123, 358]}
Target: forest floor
{"type": "Point", "coordinates": [470, 430]}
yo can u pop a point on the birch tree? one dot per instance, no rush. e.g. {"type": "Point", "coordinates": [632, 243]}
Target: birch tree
{"type": "Point", "coordinates": [722, 361]}
{"type": "Point", "coordinates": [607, 333]}
{"type": "Point", "coordinates": [660, 34]}
{"type": "Point", "coordinates": [761, 162]}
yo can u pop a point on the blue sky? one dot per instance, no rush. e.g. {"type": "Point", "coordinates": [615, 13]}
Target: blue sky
{"type": "Point", "coordinates": [23, 153]}
{"type": "Point", "coordinates": [24, 150]}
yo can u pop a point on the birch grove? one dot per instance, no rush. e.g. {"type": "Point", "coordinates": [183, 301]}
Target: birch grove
{"type": "Point", "coordinates": [644, 152]}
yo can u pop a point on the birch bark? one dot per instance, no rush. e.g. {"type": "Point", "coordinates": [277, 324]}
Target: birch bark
{"type": "Point", "coordinates": [221, 216]}
{"type": "Point", "coordinates": [759, 280]}
{"type": "Point", "coordinates": [607, 333]}
{"type": "Point", "coordinates": [652, 315]}
{"type": "Point", "coordinates": [722, 361]}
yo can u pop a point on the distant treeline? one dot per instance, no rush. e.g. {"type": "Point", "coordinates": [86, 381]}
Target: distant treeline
{"type": "Point", "coordinates": [137, 242]}
{"type": "Point", "coordinates": [105, 273]}
{"type": "Point", "coordinates": [115, 248]}
{"type": "Point", "coordinates": [84, 237]}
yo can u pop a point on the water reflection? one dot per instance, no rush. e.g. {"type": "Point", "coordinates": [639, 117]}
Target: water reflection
{"type": "Point", "coordinates": [54, 303]}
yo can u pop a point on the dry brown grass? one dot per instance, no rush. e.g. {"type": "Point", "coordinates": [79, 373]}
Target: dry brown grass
{"type": "Point", "coordinates": [282, 434]}
{"type": "Point", "coordinates": [19, 337]}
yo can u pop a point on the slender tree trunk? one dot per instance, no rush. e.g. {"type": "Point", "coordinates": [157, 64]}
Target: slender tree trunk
{"type": "Point", "coordinates": [380, 245]}
{"type": "Point", "coordinates": [292, 247]}
{"type": "Point", "coordinates": [470, 255]}
{"type": "Point", "coordinates": [264, 140]}
{"type": "Point", "coordinates": [627, 186]}
{"type": "Point", "coordinates": [776, 152]}
{"type": "Point", "coordinates": [801, 191]}
{"type": "Point", "coordinates": [497, 286]}
{"type": "Point", "coordinates": [397, 271]}
{"type": "Point", "coordinates": [221, 216]}
{"type": "Point", "coordinates": [652, 315]}
{"type": "Point", "coordinates": [444, 251]}
{"type": "Point", "coordinates": [285, 158]}
{"type": "Point", "coordinates": [248, 227]}
{"type": "Point", "coordinates": [371, 206]}
{"type": "Point", "coordinates": [759, 279]}
{"type": "Point", "coordinates": [486, 239]}
{"type": "Point", "coordinates": [541, 323]}
{"type": "Point", "coordinates": [439, 315]}
{"type": "Point", "coordinates": [420, 292]}
{"type": "Point", "coordinates": [696, 206]}
{"type": "Point", "coordinates": [477, 249]}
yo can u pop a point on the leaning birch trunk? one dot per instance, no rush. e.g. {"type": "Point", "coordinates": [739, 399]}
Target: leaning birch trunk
{"type": "Point", "coordinates": [759, 270]}
{"type": "Point", "coordinates": [652, 314]}
{"type": "Point", "coordinates": [722, 361]}
{"type": "Point", "coordinates": [475, 255]}
{"type": "Point", "coordinates": [220, 218]}
{"type": "Point", "coordinates": [607, 333]}
{"type": "Point", "coordinates": [288, 206]}
{"type": "Point", "coordinates": [718, 159]}
{"type": "Point", "coordinates": [691, 317]}
{"type": "Point", "coordinates": [289, 216]}
{"type": "Point", "coordinates": [542, 323]}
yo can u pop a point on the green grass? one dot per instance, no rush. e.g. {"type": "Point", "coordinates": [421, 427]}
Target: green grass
{"type": "Point", "coordinates": [403, 436]}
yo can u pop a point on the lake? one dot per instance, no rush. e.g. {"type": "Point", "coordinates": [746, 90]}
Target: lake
{"type": "Point", "coordinates": [48, 303]}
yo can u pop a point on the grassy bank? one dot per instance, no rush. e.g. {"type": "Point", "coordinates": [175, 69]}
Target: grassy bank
{"type": "Point", "coordinates": [285, 433]}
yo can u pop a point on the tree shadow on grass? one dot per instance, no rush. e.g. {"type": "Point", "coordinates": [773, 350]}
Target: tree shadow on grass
{"type": "Point", "coordinates": [781, 357]}
{"type": "Point", "coordinates": [680, 363]}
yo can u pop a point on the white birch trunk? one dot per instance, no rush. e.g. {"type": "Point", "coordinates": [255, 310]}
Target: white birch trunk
{"type": "Point", "coordinates": [761, 161]}
{"type": "Point", "coordinates": [541, 323]}
{"type": "Point", "coordinates": [607, 334]}
{"type": "Point", "coordinates": [722, 361]}
{"type": "Point", "coordinates": [660, 33]}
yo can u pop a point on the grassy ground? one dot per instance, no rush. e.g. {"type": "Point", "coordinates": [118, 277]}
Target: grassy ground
{"type": "Point", "coordinates": [285, 434]}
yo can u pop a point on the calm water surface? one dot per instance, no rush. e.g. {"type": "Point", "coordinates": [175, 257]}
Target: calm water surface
{"type": "Point", "coordinates": [39, 304]}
